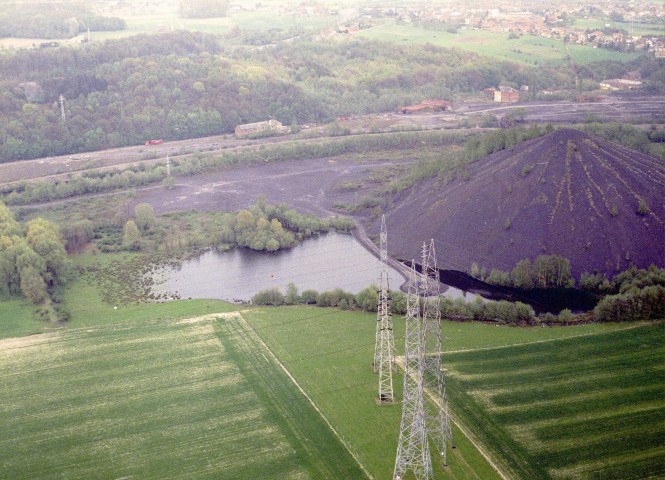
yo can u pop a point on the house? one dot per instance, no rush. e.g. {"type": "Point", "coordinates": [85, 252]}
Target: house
{"type": "Point", "coordinates": [506, 95]}
{"type": "Point", "coordinates": [268, 126]}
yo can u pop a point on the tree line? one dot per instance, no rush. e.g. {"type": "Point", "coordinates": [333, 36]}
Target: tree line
{"type": "Point", "coordinates": [62, 20]}
{"type": "Point", "coordinates": [367, 299]}
{"type": "Point", "coordinates": [262, 227]}
{"type": "Point", "coordinates": [546, 271]}
{"type": "Point", "coordinates": [640, 296]}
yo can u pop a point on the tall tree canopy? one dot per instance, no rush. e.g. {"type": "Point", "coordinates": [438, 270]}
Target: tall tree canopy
{"type": "Point", "coordinates": [32, 257]}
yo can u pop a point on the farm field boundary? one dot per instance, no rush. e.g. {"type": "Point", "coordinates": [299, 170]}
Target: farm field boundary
{"type": "Point", "coordinates": [328, 353]}
{"type": "Point", "coordinates": [317, 443]}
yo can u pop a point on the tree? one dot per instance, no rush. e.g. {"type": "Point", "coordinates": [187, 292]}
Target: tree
{"type": "Point", "coordinates": [368, 298]}
{"type": "Point", "coordinates": [144, 216]}
{"type": "Point", "coordinates": [553, 271]}
{"type": "Point", "coordinates": [45, 239]}
{"type": "Point", "coordinates": [291, 297]}
{"type": "Point", "coordinates": [131, 235]}
{"type": "Point", "coordinates": [33, 286]}
{"type": "Point", "coordinates": [77, 235]}
{"type": "Point", "coordinates": [523, 275]}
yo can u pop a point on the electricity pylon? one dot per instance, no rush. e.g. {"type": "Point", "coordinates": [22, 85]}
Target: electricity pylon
{"type": "Point", "coordinates": [413, 446]}
{"type": "Point", "coordinates": [384, 346]}
{"type": "Point", "coordinates": [437, 413]}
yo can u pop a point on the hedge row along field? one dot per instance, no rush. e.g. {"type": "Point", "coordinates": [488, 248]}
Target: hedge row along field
{"type": "Point", "coordinates": [589, 407]}
{"type": "Point", "coordinates": [156, 399]}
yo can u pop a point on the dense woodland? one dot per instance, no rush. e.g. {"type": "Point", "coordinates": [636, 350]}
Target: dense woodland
{"type": "Point", "coordinates": [62, 20]}
{"type": "Point", "coordinates": [182, 85]}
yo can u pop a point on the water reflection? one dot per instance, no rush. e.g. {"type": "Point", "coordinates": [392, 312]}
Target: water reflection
{"type": "Point", "coordinates": [323, 263]}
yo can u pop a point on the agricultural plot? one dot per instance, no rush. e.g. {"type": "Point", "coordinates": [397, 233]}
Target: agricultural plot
{"type": "Point", "coordinates": [589, 407]}
{"type": "Point", "coordinates": [527, 49]}
{"type": "Point", "coordinates": [328, 352]}
{"type": "Point", "coordinates": [157, 399]}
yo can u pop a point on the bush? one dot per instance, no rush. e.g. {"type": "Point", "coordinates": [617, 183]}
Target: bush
{"type": "Point", "coordinates": [272, 296]}
{"type": "Point", "coordinates": [398, 302]}
{"type": "Point", "coordinates": [336, 298]}
{"type": "Point", "coordinates": [635, 305]}
{"type": "Point", "coordinates": [368, 299]}
{"type": "Point", "coordinates": [309, 297]}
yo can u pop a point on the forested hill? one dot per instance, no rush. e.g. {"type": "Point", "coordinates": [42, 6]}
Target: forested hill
{"type": "Point", "coordinates": [182, 85]}
{"type": "Point", "coordinates": [64, 20]}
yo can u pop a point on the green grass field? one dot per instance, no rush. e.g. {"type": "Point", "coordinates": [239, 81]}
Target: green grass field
{"type": "Point", "coordinates": [528, 49]}
{"type": "Point", "coordinates": [588, 407]}
{"type": "Point", "coordinates": [139, 390]}
{"type": "Point", "coordinates": [158, 399]}
{"type": "Point", "coordinates": [329, 352]}
{"type": "Point", "coordinates": [633, 28]}
{"type": "Point", "coordinates": [257, 21]}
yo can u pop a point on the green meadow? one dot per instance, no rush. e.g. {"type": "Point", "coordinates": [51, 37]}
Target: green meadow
{"type": "Point", "coordinates": [158, 399]}
{"type": "Point", "coordinates": [527, 49]}
{"type": "Point", "coordinates": [587, 407]}
{"type": "Point", "coordinates": [200, 389]}
{"type": "Point", "coordinates": [329, 352]}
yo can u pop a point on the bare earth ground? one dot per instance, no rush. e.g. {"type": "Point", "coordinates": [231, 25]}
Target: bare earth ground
{"type": "Point", "coordinates": [308, 186]}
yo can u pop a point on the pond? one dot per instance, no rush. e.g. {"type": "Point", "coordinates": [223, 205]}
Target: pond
{"type": "Point", "coordinates": [322, 263]}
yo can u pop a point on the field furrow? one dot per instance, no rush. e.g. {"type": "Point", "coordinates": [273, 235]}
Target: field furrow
{"type": "Point", "coordinates": [583, 408]}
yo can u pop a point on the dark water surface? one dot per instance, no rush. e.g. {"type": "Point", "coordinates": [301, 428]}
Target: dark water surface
{"type": "Point", "coordinates": [322, 263]}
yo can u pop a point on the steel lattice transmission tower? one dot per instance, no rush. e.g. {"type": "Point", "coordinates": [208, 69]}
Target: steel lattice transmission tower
{"type": "Point", "coordinates": [437, 413]}
{"type": "Point", "coordinates": [413, 447]}
{"type": "Point", "coordinates": [384, 346]}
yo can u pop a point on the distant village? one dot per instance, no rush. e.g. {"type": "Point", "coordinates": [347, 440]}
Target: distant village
{"type": "Point", "coordinates": [528, 18]}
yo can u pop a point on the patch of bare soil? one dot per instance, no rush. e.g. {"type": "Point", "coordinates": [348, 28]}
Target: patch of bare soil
{"type": "Point", "coordinates": [308, 186]}
{"type": "Point", "coordinates": [565, 193]}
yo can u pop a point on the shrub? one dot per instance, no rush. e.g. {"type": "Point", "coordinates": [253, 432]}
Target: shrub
{"type": "Point", "coordinates": [565, 316]}
{"type": "Point", "coordinates": [637, 304]}
{"type": "Point", "coordinates": [271, 296]}
{"type": "Point", "coordinates": [309, 297]}
{"type": "Point", "coordinates": [398, 302]}
{"type": "Point", "coordinates": [368, 299]}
